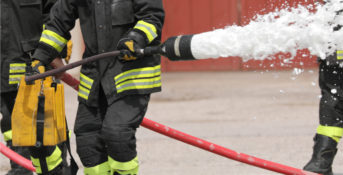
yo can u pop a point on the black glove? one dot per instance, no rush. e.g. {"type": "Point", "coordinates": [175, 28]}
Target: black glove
{"type": "Point", "coordinates": [129, 46]}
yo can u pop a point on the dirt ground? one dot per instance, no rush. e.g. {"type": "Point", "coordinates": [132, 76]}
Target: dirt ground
{"type": "Point", "coordinates": [270, 115]}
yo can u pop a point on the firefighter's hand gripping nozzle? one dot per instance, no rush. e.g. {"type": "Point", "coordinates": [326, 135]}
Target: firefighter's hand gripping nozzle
{"type": "Point", "coordinates": [175, 48]}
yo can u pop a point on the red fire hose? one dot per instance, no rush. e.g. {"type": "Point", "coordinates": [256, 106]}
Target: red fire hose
{"type": "Point", "coordinates": [178, 135]}
{"type": "Point", "coordinates": [15, 157]}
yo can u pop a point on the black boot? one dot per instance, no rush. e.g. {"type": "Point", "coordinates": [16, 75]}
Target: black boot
{"type": "Point", "coordinates": [324, 151]}
{"type": "Point", "coordinates": [15, 168]}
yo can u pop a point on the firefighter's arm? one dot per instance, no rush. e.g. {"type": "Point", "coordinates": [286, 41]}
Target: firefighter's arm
{"type": "Point", "coordinates": [46, 7]}
{"type": "Point", "coordinates": [56, 34]}
{"type": "Point", "coordinates": [150, 15]}
{"type": "Point", "coordinates": [147, 31]}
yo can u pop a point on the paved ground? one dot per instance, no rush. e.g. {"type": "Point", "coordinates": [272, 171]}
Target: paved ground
{"type": "Point", "coordinates": [270, 115]}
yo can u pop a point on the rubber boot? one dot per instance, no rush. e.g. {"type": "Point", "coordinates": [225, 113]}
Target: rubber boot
{"type": "Point", "coordinates": [15, 168]}
{"type": "Point", "coordinates": [324, 151]}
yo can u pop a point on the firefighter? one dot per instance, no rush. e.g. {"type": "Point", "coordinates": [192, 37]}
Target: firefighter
{"type": "Point", "coordinates": [330, 129]}
{"type": "Point", "coordinates": [21, 26]}
{"type": "Point", "coordinates": [114, 92]}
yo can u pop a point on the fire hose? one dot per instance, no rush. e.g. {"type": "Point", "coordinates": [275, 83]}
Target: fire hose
{"type": "Point", "coordinates": [157, 127]}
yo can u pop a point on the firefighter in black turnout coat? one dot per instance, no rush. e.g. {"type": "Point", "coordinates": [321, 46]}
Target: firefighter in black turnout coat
{"type": "Point", "coordinates": [21, 27]}
{"type": "Point", "coordinates": [114, 92]}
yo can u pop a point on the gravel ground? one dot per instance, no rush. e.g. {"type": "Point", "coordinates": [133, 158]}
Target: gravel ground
{"type": "Point", "coordinates": [270, 115]}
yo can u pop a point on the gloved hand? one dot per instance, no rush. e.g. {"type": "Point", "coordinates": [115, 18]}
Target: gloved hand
{"type": "Point", "coordinates": [129, 46]}
{"type": "Point", "coordinates": [37, 67]}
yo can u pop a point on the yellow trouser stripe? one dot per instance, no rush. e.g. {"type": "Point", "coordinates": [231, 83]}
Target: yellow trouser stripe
{"type": "Point", "coordinates": [52, 161]}
{"type": "Point", "coordinates": [139, 84]}
{"type": "Point", "coordinates": [138, 73]}
{"type": "Point", "coordinates": [102, 169]}
{"type": "Point", "coordinates": [149, 30]}
{"type": "Point", "coordinates": [333, 132]}
{"type": "Point", "coordinates": [8, 135]}
{"type": "Point", "coordinates": [53, 39]}
{"type": "Point", "coordinates": [130, 167]}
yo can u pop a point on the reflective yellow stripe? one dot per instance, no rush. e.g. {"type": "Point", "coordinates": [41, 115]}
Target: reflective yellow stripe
{"type": "Point", "coordinates": [17, 71]}
{"type": "Point", "coordinates": [333, 132]}
{"type": "Point", "coordinates": [83, 92]}
{"type": "Point", "coordinates": [8, 135]}
{"type": "Point", "coordinates": [52, 161]}
{"type": "Point", "coordinates": [339, 54]}
{"type": "Point", "coordinates": [139, 84]}
{"type": "Point", "coordinates": [18, 65]}
{"type": "Point", "coordinates": [138, 73]}
{"type": "Point", "coordinates": [102, 169]}
{"type": "Point", "coordinates": [149, 29]}
{"type": "Point", "coordinates": [36, 164]}
{"type": "Point", "coordinates": [124, 167]}
{"type": "Point", "coordinates": [15, 79]}
{"type": "Point", "coordinates": [86, 81]}
{"type": "Point", "coordinates": [53, 39]}
{"type": "Point", "coordinates": [17, 68]}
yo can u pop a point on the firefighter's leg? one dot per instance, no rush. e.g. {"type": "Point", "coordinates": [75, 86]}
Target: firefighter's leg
{"type": "Point", "coordinates": [7, 102]}
{"type": "Point", "coordinates": [122, 119]}
{"type": "Point", "coordinates": [330, 130]}
{"type": "Point", "coordinates": [48, 160]}
{"type": "Point", "coordinates": [90, 146]}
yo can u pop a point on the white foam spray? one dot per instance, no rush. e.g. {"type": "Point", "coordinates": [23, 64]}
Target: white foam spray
{"type": "Point", "coordinates": [286, 30]}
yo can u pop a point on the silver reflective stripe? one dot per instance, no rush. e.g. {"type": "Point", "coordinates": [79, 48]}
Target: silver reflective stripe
{"type": "Point", "coordinates": [22, 69]}
{"type": "Point", "coordinates": [81, 91]}
{"type": "Point", "coordinates": [138, 84]}
{"type": "Point", "coordinates": [15, 79]}
{"type": "Point", "coordinates": [138, 73]}
{"type": "Point", "coordinates": [153, 34]}
{"type": "Point", "coordinates": [17, 68]}
{"type": "Point", "coordinates": [61, 44]}
{"type": "Point", "coordinates": [86, 81]}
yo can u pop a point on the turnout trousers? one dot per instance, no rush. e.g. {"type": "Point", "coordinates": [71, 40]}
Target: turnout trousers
{"type": "Point", "coordinates": [331, 102]}
{"type": "Point", "coordinates": [105, 135]}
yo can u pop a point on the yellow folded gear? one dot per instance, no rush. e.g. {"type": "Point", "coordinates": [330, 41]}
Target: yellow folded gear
{"type": "Point", "coordinates": [26, 131]}
{"type": "Point", "coordinates": [69, 51]}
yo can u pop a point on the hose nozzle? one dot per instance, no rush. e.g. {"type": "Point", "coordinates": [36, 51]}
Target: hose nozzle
{"type": "Point", "coordinates": [175, 48]}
